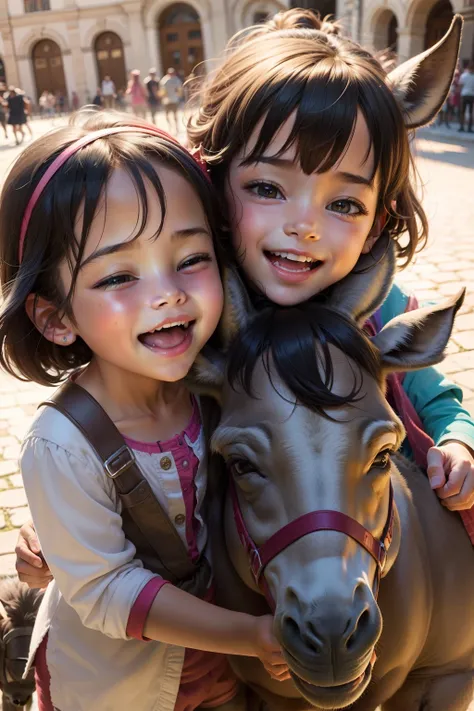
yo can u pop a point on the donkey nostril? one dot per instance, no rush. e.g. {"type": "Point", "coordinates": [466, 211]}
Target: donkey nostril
{"type": "Point", "coordinates": [362, 622]}
{"type": "Point", "coordinates": [291, 625]}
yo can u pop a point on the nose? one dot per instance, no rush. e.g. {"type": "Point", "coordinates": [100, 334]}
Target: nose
{"type": "Point", "coordinates": [169, 294]}
{"type": "Point", "coordinates": [336, 629]}
{"type": "Point", "coordinates": [302, 231]}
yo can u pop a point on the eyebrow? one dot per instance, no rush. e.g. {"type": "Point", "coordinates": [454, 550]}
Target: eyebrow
{"type": "Point", "coordinates": [130, 244]}
{"type": "Point", "coordinates": [286, 163]}
{"type": "Point", "coordinates": [371, 431]}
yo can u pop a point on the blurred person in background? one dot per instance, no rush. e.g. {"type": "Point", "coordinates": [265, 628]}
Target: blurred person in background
{"type": "Point", "coordinates": [108, 92]}
{"type": "Point", "coordinates": [171, 92]}
{"type": "Point", "coordinates": [152, 86]}
{"type": "Point", "coordinates": [16, 113]}
{"type": "Point", "coordinates": [137, 94]}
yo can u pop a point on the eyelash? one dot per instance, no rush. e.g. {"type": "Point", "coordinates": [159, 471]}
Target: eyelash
{"type": "Point", "coordinates": [362, 210]}
{"type": "Point", "coordinates": [117, 280]}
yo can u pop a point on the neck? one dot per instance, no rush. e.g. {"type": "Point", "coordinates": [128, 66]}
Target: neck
{"type": "Point", "coordinates": [129, 398]}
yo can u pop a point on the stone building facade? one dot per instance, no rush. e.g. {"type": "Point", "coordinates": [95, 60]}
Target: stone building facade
{"type": "Point", "coordinates": [70, 45]}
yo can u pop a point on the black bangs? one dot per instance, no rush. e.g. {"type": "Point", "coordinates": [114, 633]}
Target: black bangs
{"type": "Point", "coordinates": [325, 113]}
{"type": "Point", "coordinates": [294, 342]}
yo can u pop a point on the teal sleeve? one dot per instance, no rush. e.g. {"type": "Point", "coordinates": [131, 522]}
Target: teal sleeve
{"type": "Point", "coordinates": [436, 399]}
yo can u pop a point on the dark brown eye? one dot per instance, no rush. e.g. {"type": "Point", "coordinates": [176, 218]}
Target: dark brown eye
{"type": "Point", "coordinates": [240, 467]}
{"type": "Point", "coordinates": [382, 460]}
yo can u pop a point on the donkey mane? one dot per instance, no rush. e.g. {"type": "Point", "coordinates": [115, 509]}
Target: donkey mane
{"type": "Point", "coordinates": [295, 342]}
{"type": "Point", "coordinates": [21, 604]}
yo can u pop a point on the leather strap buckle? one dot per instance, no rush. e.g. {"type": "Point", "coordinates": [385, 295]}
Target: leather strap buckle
{"type": "Point", "coordinates": [256, 564]}
{"type": "Point", "coordinates": [382, 556]}
{"type": "Point", "coordinates": [115, 459]}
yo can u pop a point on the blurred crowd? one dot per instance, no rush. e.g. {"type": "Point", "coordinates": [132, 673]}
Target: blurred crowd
{"type": "Point", "coordinates": [459, 106]}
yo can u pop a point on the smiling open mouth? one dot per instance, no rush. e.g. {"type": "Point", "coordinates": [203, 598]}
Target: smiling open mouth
{"type": "Point", "coordinates": [168, 336]}
{"type": "Point", "coordinates": [290, 262]}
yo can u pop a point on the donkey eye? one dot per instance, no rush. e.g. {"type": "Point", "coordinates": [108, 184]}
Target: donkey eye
{"type": "Point", "coordinates": [240, 467]}
{"type": "Point", "coordinates": [382, 460]}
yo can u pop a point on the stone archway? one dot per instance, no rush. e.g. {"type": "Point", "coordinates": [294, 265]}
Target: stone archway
{"type": "Point", "coordinates": [109, 57]}
{"type": "Point", "coordinates": [438, 22]}
{"type": "Point", "coordinates": [386, 31]}
{"type": "Point", "coordinates": [181, 43]}
{"type": "Point", "coordinates": [48, 67]}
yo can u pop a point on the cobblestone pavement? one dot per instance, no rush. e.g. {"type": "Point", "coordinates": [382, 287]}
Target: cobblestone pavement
{"type": "Point", "coordinates": [447, 170]}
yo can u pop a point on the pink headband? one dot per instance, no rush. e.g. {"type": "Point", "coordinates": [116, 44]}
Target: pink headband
{"type": "Point", "coordinates": [73, 148]}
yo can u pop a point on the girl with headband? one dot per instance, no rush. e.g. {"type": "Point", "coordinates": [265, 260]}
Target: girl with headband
{"type": "Point", "coordinates": [110, 269]}
{"type": "Point", "coordinates": [316, 167]}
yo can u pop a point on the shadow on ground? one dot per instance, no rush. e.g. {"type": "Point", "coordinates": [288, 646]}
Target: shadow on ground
{"type": "Point", "coordinates": [447, 149]}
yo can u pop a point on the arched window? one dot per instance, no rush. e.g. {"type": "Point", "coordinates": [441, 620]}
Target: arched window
{"type": "Point", "coordinates": [109, 57]}
{"type": "Point", "coordinates": [36, 5]}
{"type": "Point", "coordinates": [438, 22]}
{"type": "Point", "coordinates": [48, 68]}
{"type": "Point", "coordinates": [180, 36]}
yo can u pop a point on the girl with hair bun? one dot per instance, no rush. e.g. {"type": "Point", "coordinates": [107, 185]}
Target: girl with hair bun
{"type": "Point", "coordinates": [315, 165]}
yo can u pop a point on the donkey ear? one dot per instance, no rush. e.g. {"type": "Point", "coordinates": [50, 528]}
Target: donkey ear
{"type": "Point", "coordinates": [364, 289]}
{"type": "Point", "coordinates": [417, 339]}
{"type": "Point", "coordinates": [421, 84]}
{"type": "Point", "coordinates": [207, 375]}
{"type": "Point", "coordinates": [237, 307]}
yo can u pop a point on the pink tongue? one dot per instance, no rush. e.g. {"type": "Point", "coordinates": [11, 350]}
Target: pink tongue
{"type": "Point", "coordinates": [167, 338]}
{"type": "Point", "coordinates": [288, 264]}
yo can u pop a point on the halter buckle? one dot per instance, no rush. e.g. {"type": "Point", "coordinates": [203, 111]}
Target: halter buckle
{"type": "Point", "coordinates": [382, 556]}
{"type": "Point", "coordinates": [256, 564]}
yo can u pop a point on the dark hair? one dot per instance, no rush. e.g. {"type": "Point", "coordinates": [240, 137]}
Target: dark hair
{"type": "Point", "coordinates": [297, 64]}
{"type": "Point", "coordinates": [295, 341]}
{"type": "Point", "coordinates": [79, 184]}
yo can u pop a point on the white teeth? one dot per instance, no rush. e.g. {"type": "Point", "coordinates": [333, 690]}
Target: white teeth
{"type": "Point", "coordinates": [185, 324]}
{"type": "Point", "coordinates": [294, 257]}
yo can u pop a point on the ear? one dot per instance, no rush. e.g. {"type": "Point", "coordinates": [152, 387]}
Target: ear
{"type": "Point", "coordinates": [45, 317]}
{"type": "Point", "coordinates": [417, 339]}
{"type": "Point", "coordinates": [421, 85]}
{"type": "Point", "coordinates": [362, 291]}
{"type": "Point", "coordinates": [237, 307]}
{"type": "Point", "coordinates": [207, 375]}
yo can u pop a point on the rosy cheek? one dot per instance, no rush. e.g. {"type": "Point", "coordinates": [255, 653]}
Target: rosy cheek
{"type": "Point", "coordinates": [104, 314]}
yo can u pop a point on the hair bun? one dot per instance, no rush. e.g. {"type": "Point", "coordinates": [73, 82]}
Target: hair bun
{"type": "Point", "coordinates": [299, 19]}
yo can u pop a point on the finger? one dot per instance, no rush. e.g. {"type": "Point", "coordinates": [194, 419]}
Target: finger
{"type": "Point", "coordinates": [278, 674]}
{"type": "Point", "coordinates": [31, 570]}
{"type": "Point", "coordinates": [465, 499]}
{"type": "Point", "coordinates": [34, 582]}
{"type": "Point", "coordinates": [275, 658]}
{"type": "Point", "coordinates": [457, 478]}
{"type": "Point", "coordinates": [28, 532]}
{"type": "Point", "coordinates": [435, 467]}
{"type": "Point", "coordinates": [25, 554]}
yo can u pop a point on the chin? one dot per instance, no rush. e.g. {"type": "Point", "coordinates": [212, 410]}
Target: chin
{"type": "Point", "coordinates": [334, 697]}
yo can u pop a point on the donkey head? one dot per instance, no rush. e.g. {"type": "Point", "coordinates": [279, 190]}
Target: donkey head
{"type": "Point", "coordinates": [305, 426]}
{"type": "Point", "coordinates": [18, 608]}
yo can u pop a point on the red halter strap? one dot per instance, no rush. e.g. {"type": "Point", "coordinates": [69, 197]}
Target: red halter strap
{"type": "Point", "coordinates": [323, 520]}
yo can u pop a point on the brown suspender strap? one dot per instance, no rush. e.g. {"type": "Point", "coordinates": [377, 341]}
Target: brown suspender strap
{"type": "Point", "coordinates": [145, 523]}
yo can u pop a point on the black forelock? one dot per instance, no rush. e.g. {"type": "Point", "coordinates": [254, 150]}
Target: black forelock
{"type": "Point", "coordinates": [294, 342]}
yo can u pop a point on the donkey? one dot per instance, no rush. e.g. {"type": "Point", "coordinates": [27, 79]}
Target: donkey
{"type": "Point", "coordinates": [18, 608]}
{"type": "Point", "coordinates": [369, 577]}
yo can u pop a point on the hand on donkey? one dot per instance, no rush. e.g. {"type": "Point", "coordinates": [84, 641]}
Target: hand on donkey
{"type": "Point", "coordinates": [451, 474]}
{"type": "Point", "coordinates": [30, 564]}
